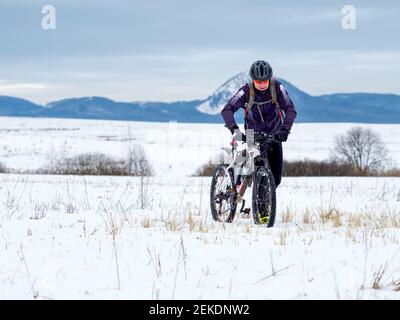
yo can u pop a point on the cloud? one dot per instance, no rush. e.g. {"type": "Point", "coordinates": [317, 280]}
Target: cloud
{"type": "Point", "coordinates": [179, 49]}
{"type": "Point", "coordinates": [12, 88]}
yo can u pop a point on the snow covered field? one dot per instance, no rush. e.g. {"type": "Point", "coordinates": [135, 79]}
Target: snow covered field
{"type": "Point", "coordinates": [27, 143]}
{"type": "Point", "coordinates": [68, 237]}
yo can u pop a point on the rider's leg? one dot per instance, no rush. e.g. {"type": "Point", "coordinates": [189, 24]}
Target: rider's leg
{"type": "Point", "coordinates": [275, 160]}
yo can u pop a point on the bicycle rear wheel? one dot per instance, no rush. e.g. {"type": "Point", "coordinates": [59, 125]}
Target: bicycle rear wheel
{"type": "Point", "coordinates": [223, 194]}
{"type": "Point", "coordinates": [264, 197]}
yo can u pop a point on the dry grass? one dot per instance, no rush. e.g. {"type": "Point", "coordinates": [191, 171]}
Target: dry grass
{"type": "Point", "coordinates": [172, 224]}
{"type": "Point", "coordinates": [282, 237]}
{"type": "Point", "coordinates": [356, 220]}
{"type": "Point", "coordinates": [388, 221]}
{"type": "Point", "coordinates": [395, 172]}
{"type": "Point", "coordinates": [382, 221]}
{"type": "Point", "coordinates": [112, 220]}
{"type": "Point", "coordinates": [395, 220]}
{"type": "Point", "coordinates": [378, 279]}
{"type": "Point", "coordinates": [206, 170]}
{"type": "Point", "coordinates": [190, 222]}
{"type": "Point", "coordinates": [311, 168]}
{"type": "Point", "coordinates": [371, 226]}
{"type": "Point", "coordinates": [146, 223]}
{"type": "Point", "coordinates": [327, 215]}
{"type": "Point", "coordinates": [196, 224]}
{"type": "Point", "coordinates": [350, 234]}
{"type": "Point", "coordinates": [396, 285]}
{"type": "Point", "coordinates": [287, 216]}
{"type": "Point", "coordinates": [331, 215]}
{"type": "Point", "coordinates": [307, 217]}
{"type": "Point", "coordinates": [40, 211]}
{"type": "Point", "coordinates": [303, 168]}
{"type": "Point", "coordinates": [336, 219]}
{"type": "Point", "coordinates": [200, 226]}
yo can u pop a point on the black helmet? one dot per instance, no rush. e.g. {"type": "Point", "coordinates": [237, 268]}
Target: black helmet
{"type": "Point", "coordinates": [261, 70]}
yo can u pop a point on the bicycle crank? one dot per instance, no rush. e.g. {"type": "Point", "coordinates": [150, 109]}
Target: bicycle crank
{"type": "Point", "coordinates": [245, 211]}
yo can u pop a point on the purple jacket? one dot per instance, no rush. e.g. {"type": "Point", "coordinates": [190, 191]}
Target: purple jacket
{"type": "Point", "coordinates": [268, 121]}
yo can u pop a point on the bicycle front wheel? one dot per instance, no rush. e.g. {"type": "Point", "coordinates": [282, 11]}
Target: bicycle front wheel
{"type": "Point", "coordinates": [264, 197]}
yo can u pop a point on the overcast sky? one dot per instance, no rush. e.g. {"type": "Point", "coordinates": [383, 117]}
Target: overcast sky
{"type": "Point", "coordinates": [169, 50]}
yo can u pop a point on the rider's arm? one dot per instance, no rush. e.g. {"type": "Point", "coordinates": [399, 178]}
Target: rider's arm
{"type": "Point", "coordinates": [287, 105]}
{"type": "Point", "coordinates": [234, 104]}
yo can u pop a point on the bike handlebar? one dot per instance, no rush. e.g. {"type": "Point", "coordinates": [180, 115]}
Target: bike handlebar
{"type": "Point", "coordinates": [261, 137]}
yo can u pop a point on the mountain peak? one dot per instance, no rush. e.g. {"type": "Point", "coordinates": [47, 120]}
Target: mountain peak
{"type": "Point", "coordinates": [214, 104]}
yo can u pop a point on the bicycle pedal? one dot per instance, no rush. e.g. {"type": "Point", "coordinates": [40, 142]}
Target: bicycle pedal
{"type": "Point", "coordinates": [246, 213]}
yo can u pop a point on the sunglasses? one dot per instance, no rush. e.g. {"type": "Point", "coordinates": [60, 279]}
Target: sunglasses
{"type": "Point", "coordinates": [261, 81]}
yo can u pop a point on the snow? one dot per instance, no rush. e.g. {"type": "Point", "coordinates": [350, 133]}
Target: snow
{"type": "Point", "coordinates": [173, 148]}
{"type": "Point", "coordinates": [88, 237]}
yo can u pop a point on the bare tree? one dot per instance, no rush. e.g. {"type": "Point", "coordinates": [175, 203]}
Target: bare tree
{"type": "Point", "coordinates": [362, 148]}
{"type": "Point", "coordinates": [137, 162]}
{"type": "Point", "coordinates": [3, 168]}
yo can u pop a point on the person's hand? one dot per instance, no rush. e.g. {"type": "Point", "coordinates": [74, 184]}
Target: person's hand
{"type": "Point", "coordinates": [282, 135]}
{"type": "Point", "coordinates": [233, 128]}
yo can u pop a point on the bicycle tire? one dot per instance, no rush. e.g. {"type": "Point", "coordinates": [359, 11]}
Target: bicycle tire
{"type": "Point", "coordinates": [227, 196]}
{"type": "Point", "coordinates": [264, 197]}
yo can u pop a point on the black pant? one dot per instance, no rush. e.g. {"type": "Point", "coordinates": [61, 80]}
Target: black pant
{"type": "Point", "coordinates": [275, 160]}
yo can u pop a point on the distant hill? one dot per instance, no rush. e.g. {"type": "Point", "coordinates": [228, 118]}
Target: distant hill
{"type": "Point", "coordinates": [10, 106]}
{"type": "Point", "coordinates": [353, 107]}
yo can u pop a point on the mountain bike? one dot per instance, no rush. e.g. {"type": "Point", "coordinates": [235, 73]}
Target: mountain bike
{"type": "Point", "coordinates": [230, 181]}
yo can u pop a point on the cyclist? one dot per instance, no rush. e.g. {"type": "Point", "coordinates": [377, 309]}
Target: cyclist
{"type": "Point", "coordinates": [268, 109]}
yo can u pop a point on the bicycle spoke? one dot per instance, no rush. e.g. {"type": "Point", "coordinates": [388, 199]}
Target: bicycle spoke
{"type": "Point", "coordinates": [221, 213]}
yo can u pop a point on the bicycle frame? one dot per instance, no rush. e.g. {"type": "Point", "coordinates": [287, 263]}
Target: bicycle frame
{"type": "Point", "coordinates": [243, 161]}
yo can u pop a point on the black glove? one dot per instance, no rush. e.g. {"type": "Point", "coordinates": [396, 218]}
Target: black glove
{"type": "Point", "coordinates": [232, 129]}
{"type": "Point", "coordinates": [282, 135]}
{"type": "Point", "coordinates": [237, 136]}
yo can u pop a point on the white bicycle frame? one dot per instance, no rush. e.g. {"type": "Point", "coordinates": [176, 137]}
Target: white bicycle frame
{"type": "Point", "coordinates": [243, 165]}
